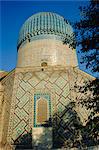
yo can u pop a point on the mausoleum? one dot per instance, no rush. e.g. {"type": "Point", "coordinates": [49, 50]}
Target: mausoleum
{"type": "Point", "coordinates": [38, 100]}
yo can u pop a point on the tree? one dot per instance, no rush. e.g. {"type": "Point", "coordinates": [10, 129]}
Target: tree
{"type": "Point", "coordinates": [86, 31]}
{"type": "Point", "coordinates": [87, 35]}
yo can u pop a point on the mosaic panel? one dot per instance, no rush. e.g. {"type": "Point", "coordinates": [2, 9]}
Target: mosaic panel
{"type": "Point", "coordinates": [62, 83]}
{"type": "Point", "coordinates": [41, 111]}
{"type": "Point", "coordinates": [69, 113]}
{"type": "Point", "coordinates": [63, 113]}
{"type": "Point", "coordinates": [8, 83]}
{"type": "Point", "coordinates": [20, 93]}
{"type": "Point", "coordinates": [40, 97]}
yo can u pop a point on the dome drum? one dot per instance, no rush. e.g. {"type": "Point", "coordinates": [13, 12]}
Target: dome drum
{"type": "Point", "coordinates": [42, 37]}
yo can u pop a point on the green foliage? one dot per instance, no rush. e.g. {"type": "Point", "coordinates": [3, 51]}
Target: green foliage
{"type": "Point", "coordinates": [91, 101]}
{"type": "Point", "coordinates": [90, 132]}
{"type": "Point", "coordinates": [87, 35]}
{"type": "Point", "coordinates": [70, 39]}
{"type": "Point", "coordinates": [70, 132]}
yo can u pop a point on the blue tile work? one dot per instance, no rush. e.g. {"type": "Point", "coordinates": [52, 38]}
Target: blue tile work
{"type": "Point", "coordinates": [58, 88]}
{"type": "Point", "coordinates": [37, 96]}
{"type": "Point", "coordinates": [44, 23]}
{"type": "Point", "coordinates": [44, 36]}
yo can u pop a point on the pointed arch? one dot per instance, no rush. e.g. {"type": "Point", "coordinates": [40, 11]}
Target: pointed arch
{"type": "Point", "coordinates": [42, 111]}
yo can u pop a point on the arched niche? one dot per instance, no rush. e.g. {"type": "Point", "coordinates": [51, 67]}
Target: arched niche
{"type": "Point", "coordinates": [42, 111]}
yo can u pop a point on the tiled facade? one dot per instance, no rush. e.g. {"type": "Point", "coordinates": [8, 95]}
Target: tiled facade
{"type": "Point", "coordinates": [5, 105]}
{"type": "Point", "coordinates": [38, 99]}
{"type": "Point", "coordinates": [54, 85]}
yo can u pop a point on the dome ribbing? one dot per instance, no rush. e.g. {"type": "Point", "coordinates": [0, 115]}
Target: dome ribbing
{"type": "Point", "coordinates": [44, 23]}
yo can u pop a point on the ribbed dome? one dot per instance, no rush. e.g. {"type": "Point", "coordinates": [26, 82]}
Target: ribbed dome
{"type": "Point", "coordinates": [44, 23]}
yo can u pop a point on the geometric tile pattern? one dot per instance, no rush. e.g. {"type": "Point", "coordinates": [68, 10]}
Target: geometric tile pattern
{"type": "Point", "coordinates": [7, 83]}
{"type": "Point", "coordinates": [60, 83]}
{"type": "Point", "coordinates": [67, 114]}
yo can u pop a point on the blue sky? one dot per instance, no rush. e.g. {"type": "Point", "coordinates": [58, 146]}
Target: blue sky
{"type": "Point", "coordinates": [13, 15]}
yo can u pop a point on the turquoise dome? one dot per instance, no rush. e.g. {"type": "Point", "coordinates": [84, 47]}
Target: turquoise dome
{"type": "Point", "coordinates": [43, 25]}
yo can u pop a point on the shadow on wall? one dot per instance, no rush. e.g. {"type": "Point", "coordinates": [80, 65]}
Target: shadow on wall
{"type": "Point", "coordinates": [68, 132]}
{"type": "Point", "coordinates": [24, 142]}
